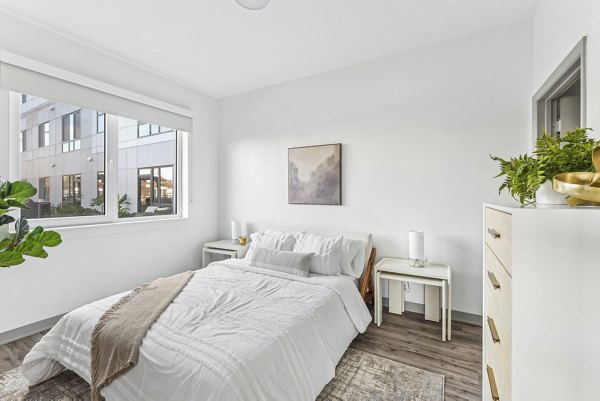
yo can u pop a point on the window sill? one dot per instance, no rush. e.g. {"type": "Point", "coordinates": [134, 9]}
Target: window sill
{"type": "Point", "coordinates": [128, 223]}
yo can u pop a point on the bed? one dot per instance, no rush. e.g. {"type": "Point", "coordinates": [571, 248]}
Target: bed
{"type": "Point", "coordinates": [235, 332]}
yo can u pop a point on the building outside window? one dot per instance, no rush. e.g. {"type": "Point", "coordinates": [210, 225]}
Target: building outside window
{"type": "Point", "coordinates": [156, 189]}
{"type": "Point", "coordinates": [74, 185]}
{"type": "Point", "coordinates": [71, 189]}
{"type": "Point", "coordinates": [44, 134]}
{"type": "Point", "coordinates": [23, 98]}
{"type": "Point", "coordinates": [100, 122]}
{"type": "Point", "coordinates": [71, 132]}
{"type": "Point", "coordinates": [100, 191]}
{"type": "Point", "coordinates": [147, 129]}
{"type": "Point", "coordinates": [23, 141]}
{"type": "Point", "coordinates": [44, 189]}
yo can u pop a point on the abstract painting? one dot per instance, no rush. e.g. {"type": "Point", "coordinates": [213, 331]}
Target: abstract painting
{"type": "Point", "coordinates": [315, 175]}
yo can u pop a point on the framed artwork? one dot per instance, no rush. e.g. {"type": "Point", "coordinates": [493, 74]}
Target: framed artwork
{"type": "Point", "coordinates": [315, 175]}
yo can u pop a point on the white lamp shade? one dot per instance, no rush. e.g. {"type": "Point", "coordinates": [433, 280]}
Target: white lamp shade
{"type": "Point", "coordinates": [416, 245]}
{"type": "Point", "coordinates": [235, 229]}
{"type": "Point", "coordinates": [253, 4]}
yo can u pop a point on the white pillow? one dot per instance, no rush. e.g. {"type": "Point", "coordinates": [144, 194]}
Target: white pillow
{"type": "Point", "coordinates": [271, 240]}
{"type": "Point", "coordinates": [353, 257]}
{"type": "Point", "coordinates": [297, 263]}
{"type": "Point", "coordinates": [327, 250]}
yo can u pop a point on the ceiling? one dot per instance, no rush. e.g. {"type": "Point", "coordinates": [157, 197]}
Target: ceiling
{"type": "Point", "coordinates": [222, 49]}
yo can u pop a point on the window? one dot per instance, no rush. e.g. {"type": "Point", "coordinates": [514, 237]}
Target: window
{"type": "Point", "coordinates": [23, 141]}
{"type": "Point", "coordinates": [100, 181]}
{"type": "Point", "coordinates": [100, 122]}
{"type": "Point", "coordinates": [44, 189]}
{"type": "Point", "coordinates": [560, 104]}
{"type": "Point", "coordinates": [146, 129]}
{"type": "Point", "coordinates": [68, 155]}
{"type": "Point", "coordinates": [147, 170]}
{"type": "Point", "coordinates": [71, 188]}
{"type": "Point", "coordinates": [43, 135]}
{"type": "Point", "coordinates": [71, 132]}
{"type": "Point", "coordinates": [155, 190]}
{"type": "Point", "coordinates": [74, 174]}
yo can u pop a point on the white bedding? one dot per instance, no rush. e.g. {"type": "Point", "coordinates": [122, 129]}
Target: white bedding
{"type": "Point", "coordinates": [234, 333]}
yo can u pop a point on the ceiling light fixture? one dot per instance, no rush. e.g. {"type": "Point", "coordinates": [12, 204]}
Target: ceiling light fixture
{"type": "Point", "coordinates": [253, 4]}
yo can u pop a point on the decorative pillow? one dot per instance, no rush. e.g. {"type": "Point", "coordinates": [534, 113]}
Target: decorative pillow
{"type": "Point", "coordinates": [327, 250]}
{"type": "Point", "coordinates": [271, 240]}
{"type": "Point", "coordinates": [353, 257]}
{"type": "Point", "coordinates": [297, 263]}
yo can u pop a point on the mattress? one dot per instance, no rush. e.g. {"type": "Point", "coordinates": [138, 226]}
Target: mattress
{"type": "Point", "coordinates": [234, 333]}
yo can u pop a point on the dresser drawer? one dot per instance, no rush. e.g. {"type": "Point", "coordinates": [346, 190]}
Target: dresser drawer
{"type": "Point", "coordinates": [498, 346]}
{"type": "Point", "coordinates": [498, 285]}
{"type": "Point", "coordinates": [491, 390]}
{"type": "Point", "coordinates": [498, 235]}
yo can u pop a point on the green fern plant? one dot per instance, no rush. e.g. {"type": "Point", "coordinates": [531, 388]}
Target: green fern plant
{"type": "Point", "coordinates": [524, 174]}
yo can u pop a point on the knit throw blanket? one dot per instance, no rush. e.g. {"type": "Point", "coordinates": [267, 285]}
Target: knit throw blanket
{"type": "Point", "coordinates": [118, 335]}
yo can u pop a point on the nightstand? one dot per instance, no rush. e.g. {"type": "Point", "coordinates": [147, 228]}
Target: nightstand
{"type": "Point", "coordinates": [223, 247]}
{"type": "Point", "coordinates": [400, 270]}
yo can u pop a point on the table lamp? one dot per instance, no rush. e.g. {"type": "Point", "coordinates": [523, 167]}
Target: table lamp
{"type": "Point", "coordinates": [416, 248]}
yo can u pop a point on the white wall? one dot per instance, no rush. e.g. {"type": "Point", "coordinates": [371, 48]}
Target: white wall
{"type": "Point", "coordinates": [92, 263]}
{"type": "Point", "coordinates": [416, 129]}
{"type": "Point", "coordinates": [557, 27]}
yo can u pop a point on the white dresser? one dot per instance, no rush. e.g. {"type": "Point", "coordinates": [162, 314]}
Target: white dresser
{"type": "Point", "coordinates": [541, 303]}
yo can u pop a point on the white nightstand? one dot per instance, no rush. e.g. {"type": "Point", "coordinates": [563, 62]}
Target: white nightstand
{"type": "Point", "coordinates": [223, 247]}
{"type": "Point", "coordinates": [400, 270]}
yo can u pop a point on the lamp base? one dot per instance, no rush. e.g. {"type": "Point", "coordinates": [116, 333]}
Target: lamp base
{"type": "Point", "coordinates": [418, 262]}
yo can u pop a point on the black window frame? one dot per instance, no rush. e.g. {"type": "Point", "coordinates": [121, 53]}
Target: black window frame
{"type": "Point", "coordinates": [72, 196]}
{"type": "Point", "coordinates": [74, 137]}
{"type": "Point", "coordinates": [100, 116]}
{"type": "Point", "coordinates": [154, 202]}
{"type": "Point", "coordinates": [42, 134]}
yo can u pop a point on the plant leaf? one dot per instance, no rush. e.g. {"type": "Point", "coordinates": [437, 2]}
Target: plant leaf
{"type": "Point", "coordinates": [48, 238]}
{"type": "Point", "coordinates": [21, 190]}
{"type": "Point", "coordinates": [10, 258]}
{"type": "Point", "coordinates": [5, 219]}
{"type": "Point", "coordinates": [31, 248]}
{"type": "Point", "coordinates": [5, 243]}
{"type": "Point", "coordinates": [21, 230]}
{"type": "Point", "coordinates": [17, 203]}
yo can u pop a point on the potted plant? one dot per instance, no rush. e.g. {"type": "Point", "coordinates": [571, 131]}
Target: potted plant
{"type": "Point", "coordinates": [23, 242]}
{"type": "Point", "coordinates": [528, 178]}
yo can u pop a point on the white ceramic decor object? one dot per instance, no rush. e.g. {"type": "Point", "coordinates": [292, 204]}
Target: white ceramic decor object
{"type": "Point", "coordinates": [548, 196]}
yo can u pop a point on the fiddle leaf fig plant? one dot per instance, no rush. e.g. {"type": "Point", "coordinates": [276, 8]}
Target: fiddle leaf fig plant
{"type": "Point", "coordinates": [24, 241]}
{"type": "Point", "coordinates": [524, 174]}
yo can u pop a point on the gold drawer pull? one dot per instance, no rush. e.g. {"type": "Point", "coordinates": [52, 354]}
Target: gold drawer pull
{"type": "Point", "coordinates": [493, 385]}
{"type": "Point", "coordinates": [493, 330]}
{"type": "Point", "coordinates": [495, 234]}
{"type": "Point", "coordinates": [493, 280]}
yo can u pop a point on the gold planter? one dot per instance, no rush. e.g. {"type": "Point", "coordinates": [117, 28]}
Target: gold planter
{"type": "Point", "coordinates": [582, 188]}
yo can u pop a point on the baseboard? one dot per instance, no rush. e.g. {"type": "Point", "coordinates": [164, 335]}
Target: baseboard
{"type": "Point", "coordinates": [457, 316]}
{"type": "Point", "coordinates": [25, 331]}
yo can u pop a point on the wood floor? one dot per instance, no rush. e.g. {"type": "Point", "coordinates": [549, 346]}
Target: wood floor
{"type": "Point", "coordinates": [411, 340]}
{"type": "Point", "coordinates": [407, 339]}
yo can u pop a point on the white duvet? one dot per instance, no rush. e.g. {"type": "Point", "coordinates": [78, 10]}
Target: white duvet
{"type": "Point", "coordinates": [233, 333]}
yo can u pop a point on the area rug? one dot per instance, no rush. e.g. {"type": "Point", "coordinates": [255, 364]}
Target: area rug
{"type": "Point", "coordinates": [359, 376]}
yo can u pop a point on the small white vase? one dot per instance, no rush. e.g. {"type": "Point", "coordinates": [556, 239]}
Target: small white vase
{"type": "Point", "coordinates": [546, 195]}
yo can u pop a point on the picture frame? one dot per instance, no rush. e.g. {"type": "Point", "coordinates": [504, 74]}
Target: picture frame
{"type": "Point", "coordinates": [315, 175]}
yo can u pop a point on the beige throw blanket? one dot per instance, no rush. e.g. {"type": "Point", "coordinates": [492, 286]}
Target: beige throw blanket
{"type": "Point", "coordinates": [119, 333]}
